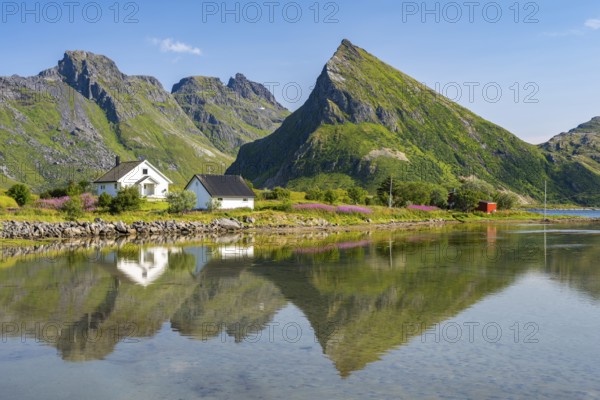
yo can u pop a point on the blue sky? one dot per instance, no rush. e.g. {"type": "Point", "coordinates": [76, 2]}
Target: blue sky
{"type": "Point", "coordinates": [531, 67]}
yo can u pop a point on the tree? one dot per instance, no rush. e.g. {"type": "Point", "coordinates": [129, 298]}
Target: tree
{"type": "Point", "coordinates": [477, 185]}
{"type": "Point", "coordinates": [506, 200]}
{"type": "Point", "coordinates": [439, 197]}
{"type": "Point", "coordinates": [407, 193]}
{"type": "Point", "coordinates": [315, 194]}
{"type": "Point", "coordinates": [73, 208]}
{"type": "Point", "coordinates": [20, 193]}
{"type": "Point", "coordinates": [127, 199]}
{"type": "Point", "coordinates": [467, 200]}
{"type": "Point", "coordinates": [84, 186]}
{"type": "Point", "coordinates": [357, 195]}
{"type": "Point", "coordinates": [73, 189]}
{"type": "Point", "coordinates": [181, 201]}
{"type": "Point", "coordinates": [383, 191]}
{"type": "Point", "coordinates": [331, 196]}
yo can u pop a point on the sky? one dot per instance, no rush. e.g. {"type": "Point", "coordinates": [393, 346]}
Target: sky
{"type": "Point", "coordinates": [531, 67]}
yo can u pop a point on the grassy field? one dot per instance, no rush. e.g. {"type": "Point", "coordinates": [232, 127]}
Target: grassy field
{"type": "Point", "coordinates": [273, 213]}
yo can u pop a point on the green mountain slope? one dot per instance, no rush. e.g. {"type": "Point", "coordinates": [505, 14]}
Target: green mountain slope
{"type": "Point", "coordinates": [69, 122]}
{"type": "Point", "coordinates": [366, 120]}
{"type": "Point", "coordinates": [233, 114]}
{"type": "Point", "coordinates": [575, 156]}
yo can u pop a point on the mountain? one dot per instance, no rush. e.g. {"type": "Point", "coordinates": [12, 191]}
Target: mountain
{"type": "Point", "coordinates": [233, 114]}
{"type": "Point", "coordinates": [575, 156]}
{"type": "Point", "coordinates": [581, 143]}
{"type": "Point", "coordinates": [365, 121]}
{"type": "Point", "coordinates": [69, 121]}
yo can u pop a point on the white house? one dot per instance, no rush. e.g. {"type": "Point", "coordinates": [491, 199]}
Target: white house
{"type": "Point", "coordinates": [230, 190]}
{"type": "Point", "coordinates": [150, 181]}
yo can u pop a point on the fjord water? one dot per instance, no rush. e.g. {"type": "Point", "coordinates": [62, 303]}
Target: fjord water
{"type": "Point", "coordinates": [459, 312]}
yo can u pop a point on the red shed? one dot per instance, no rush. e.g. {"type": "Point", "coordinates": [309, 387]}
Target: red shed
{"type": "Point", "coordinates": [487, 207]}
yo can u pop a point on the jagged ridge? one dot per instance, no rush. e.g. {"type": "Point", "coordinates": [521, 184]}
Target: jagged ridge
{"type": "Point", "coordinates": [231, 115]}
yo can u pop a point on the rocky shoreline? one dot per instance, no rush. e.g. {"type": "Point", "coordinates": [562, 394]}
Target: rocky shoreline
{"type": "Point", "coordinates": [106, 229]}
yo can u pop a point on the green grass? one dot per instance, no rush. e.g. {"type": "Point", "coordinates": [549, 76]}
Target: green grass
{"type": "Point", "coordinates": [7, 202]}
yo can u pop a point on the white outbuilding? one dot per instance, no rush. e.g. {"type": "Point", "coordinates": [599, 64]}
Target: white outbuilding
{"type": "Point", "coordinates": [229, 191]}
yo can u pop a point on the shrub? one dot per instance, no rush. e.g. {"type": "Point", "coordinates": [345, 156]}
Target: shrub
{"type": "Point", "coordinates": [73, 208]}
{"type": "Point", "coordinates": [357, 195]}
{"type": "Point", "coordinates": [104, 200]}
{"type": "Point", "coordinates": [181, 201]}
{"type": "Point", "coordinates": [20, 193]}
{"type": "Point", "coordinates": [54, 193]}
{"type": "Point", "coordinates": [286, 206]}
{"type": "Point", "coordinates": [73, 189]}
{"type": "Point", "coordinates": [127, 199]}
{"type": "Point", "coordinates": [278, 193]}
{"type": "Point", "coordinates": [88, 202]}
{"type": "Point", "coordinates": [315, 194]}
{"type": "Point", "coordinates": [330, 196]}
{"type": "Point", "coordinates": [506, 200]}
{"type": "Point", "coordinates": [213, 204]}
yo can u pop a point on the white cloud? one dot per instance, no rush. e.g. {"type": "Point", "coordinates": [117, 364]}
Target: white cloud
{"type": "Point", "coordinates": [572, 32]}
{"type": "Point", "coordinates": [172, 46]}
{"type": "Point", "coordinates": [593, 24]}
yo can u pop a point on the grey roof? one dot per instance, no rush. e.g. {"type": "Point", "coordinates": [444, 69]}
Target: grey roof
{"type": "Point", "coordinates": [118, 172]}
{"type": "Point", "coordinates": [225, 186]}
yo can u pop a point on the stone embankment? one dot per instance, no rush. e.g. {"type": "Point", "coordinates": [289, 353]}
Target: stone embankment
{"type": "Point", "coordinates": [100, 228]}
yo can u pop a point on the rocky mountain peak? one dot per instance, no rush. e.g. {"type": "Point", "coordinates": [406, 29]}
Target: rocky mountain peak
{"type": "Point", "coordinates": [248, 89]}
{"type": "Point", "coordinates": [592, 126]}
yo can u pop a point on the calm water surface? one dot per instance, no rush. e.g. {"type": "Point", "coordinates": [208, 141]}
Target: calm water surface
{"type": "Point", "coordinates": [571, 213]}
{"type": "Point", "coordinates": [469, 312]}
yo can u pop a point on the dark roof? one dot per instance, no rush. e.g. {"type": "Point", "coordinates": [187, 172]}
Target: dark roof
{"type": "Point", "coordinates": [225, 186]}
{"type": "Point", "coordinates": [118, 172]}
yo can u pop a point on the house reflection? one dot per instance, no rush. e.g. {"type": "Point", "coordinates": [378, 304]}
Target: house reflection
{"type": "Point", "coordinates": [148, 266]}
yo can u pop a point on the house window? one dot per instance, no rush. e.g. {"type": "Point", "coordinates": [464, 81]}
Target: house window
{"type": "Point", "coordinates": [102, 187]}
{"type": "Point", "coordinates": [145, 171]}
{"type": "Point", "coordinates": [116, 186]}
{"type": "Point", "coordinates": [245, 200]}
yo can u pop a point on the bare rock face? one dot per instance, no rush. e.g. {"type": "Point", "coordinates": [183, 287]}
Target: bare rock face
{"type": "Point", "coordinates": [231, 115]}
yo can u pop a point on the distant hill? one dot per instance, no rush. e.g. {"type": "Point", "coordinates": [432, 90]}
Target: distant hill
{"type": "Point", "coordinates": [575, 156]}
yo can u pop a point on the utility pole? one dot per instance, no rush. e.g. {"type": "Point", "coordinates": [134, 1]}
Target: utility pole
{"type": "Point", "coordinates": [390, 199]}
{"type": "Point", "coordinates": [545, 199]}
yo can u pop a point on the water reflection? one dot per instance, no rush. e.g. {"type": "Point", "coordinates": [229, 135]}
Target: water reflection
{"type": "Point", "coordinates": [363, 293]}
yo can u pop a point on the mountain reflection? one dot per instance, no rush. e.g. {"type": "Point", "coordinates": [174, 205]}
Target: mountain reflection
{"type": "Point", "coordinates": [363, 293]}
